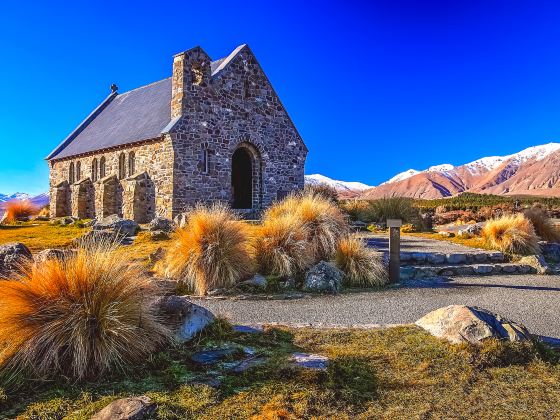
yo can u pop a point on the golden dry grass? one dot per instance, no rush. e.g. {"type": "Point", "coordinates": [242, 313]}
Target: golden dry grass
{"type": "Point", "coordinates": [544, 227]}
{"type": "Point", "coordinates": [78, 318]}
{"type": "Point", "coordinates": [282, 246]}
{"type": "Point", "coordinates": [363, 267]}
{"type": "Point", "coordinates": [512, 234]}
{"type": "Point", "coordinates": [40, 235]}
{"type": "Point", "coordinates": [322, 219]}
{"type": "Point", "coordinates": [20, 210]}
{"type": "Point", "coordinates": [213, 250]}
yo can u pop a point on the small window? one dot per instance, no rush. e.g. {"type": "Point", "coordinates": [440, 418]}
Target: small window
{"type": "Point", "coordinates": [131, 164]}
{"type": "Point", "coordinates": [102, 168]}
{"type": "Point", "coordinates": [122, 170]}
{"type": "Point", "coordinates": [78, 171]}
{"type": "Point", "coordinates": [205, 161]}
{"type": "Point", "coordinates": [71, 173]}
{"type": "Point", "coordinates": [94, 170]}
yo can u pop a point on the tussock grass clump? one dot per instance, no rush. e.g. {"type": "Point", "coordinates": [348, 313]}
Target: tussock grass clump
{"type": "Point", "coordinates": [544, 227]}
{"type": "Point", "coordinates": [20, 210]}
{"type": "Point", "coordinates": [363, 267]}
{"type": "Point", "coordinates": [322, 190]}
{"type": "Point", "coordinates": [282, 246]}
{"type": "Point", "coordinates": [513, 234]}
{"type": "Point", "coordinates": [396, 208]}
{"type": "Point", "coordinates": [322, 219]}
{"type": "Point", "coordinates": [79, 317]}
{"type": "Point", "coordinates": [214, 250]}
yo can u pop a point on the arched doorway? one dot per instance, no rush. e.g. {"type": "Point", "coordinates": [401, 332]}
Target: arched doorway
{"type": "Point", "coordinates": [242, 179]}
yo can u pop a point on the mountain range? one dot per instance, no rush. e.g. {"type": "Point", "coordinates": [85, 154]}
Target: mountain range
{"type": "Point", "coordinates": [533, 171]}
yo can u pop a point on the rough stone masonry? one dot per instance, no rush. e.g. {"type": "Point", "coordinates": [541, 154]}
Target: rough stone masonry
{"type": "Point", "coordinates": [213, 131]}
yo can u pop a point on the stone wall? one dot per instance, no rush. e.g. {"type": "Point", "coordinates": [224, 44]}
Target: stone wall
{"type": "Point", "coordinates": [236, 108]}
{"type": "Point", "coordinates": [153, 160]}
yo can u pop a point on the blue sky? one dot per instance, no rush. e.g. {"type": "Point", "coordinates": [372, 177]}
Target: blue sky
{"type": "Point", "coordinates": [374, 87]}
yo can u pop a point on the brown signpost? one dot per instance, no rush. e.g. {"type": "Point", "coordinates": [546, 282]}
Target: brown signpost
{"type": "Point", "coordinates": [394, 226]}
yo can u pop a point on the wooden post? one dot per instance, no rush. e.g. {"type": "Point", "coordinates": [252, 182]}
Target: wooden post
{"type": "Point", "coordinates": [394, 226]}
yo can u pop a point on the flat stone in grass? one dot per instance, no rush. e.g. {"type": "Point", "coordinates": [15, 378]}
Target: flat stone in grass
{"type": "Point", "coordinates": [208, 357]}
{"type": "Point", "coordinates": [310, 361]}
{"type": "Point", "coordinates": [323, 277]}
{"type": "Point", "coordinates": [133, 408]}
{"type": "Point", "coordinates": [460, 324]}
{"type": "Point", "coordinates": [12, 256]}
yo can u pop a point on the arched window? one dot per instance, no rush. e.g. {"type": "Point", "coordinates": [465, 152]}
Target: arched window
{"type": "Point", "coordinates": [102, 168]}
{"type": "Point", "coordinates": [71, 173]}
{"type": "Point", "coordinates": [131, 164]}
{"type": "Point", "coordinates": [94, 170]}
{"type": "Point", "coordinates": [122, 170]}
{"type": "Point", "coordinates": [78, 171]}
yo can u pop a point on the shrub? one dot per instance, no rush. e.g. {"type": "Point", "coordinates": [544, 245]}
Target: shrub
{"type": "Point", "coordinates": [79, 317]}
{"type": "Point", "coordinates": [20, 210]}
{"type": "Point", "coordinates": [542, 224]}
{"type": "Point", "coordinates": [282, 247]}
{"type": "Point", "coordinates": [357, 210]}
{"type": "Point", "coordinates": [213, 250]}
{"type": "Point", "coordinates": [322, 190]}
{"type": "Point", "coordinates": [362, 266]}
{"type": "Point", "coordinates": [396, 208]}
{"type": "Point", "coordinates": [512, 234]}
{"type": "Point", "coordinates": [323, 220]}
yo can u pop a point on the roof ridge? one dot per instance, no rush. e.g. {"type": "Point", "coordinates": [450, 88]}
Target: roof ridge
{"type": "Point", "coordinates": [228, 58]}
{"type": "Point", "coordinates": [145, 86]}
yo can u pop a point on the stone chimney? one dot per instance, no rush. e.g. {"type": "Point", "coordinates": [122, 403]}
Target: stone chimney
{"type": "Point", "coordinates": [191, 73]}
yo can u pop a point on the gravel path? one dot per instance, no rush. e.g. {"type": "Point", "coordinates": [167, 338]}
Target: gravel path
{"type": "Point", "coordinates": [532, 300]}
{"type": "Point", "coordinates": [416, 244]}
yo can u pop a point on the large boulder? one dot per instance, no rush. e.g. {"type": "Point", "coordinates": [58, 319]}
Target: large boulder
{"type": "Point", "coordinates": [54, 254]}
{"type": "Point", "coordinates": [161, 224]}
{"type": "Point", "coordinates": [187, 318]}
{"type": "Point", "coordinates": [323, 277]}
{"type": "Point", "coordinates": [537, 262]}
{"type": "Point", "coordinates": [100, 236]}
{"type": "Point", "coordinates": [460, 324]}
{"type": "Point", "coordinates": [132, 408]}
{"type": "Point", "coordinates": [550, 250]}
{"type": "Point", "coordinates": [12, 257]}
{"type": "Point", "coordinates": [117, 224]}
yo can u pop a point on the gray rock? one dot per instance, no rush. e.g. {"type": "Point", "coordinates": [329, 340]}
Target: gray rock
{"type": "Point", "coordinates": [483, 269]}
{"type": "Point", "coordinates": [464, 270]}
{"type": "Point", "coordinates": [161, 224]}
{"type": "Point", "coordinates": [12, 256]}
{"type": "Point", "coordinates": [310, 361]}
{"type": "Point", "coordinates": [537, 262]}
{"type": "Point", "coordinates": [54, 254]}
{"type": "Point", "coordinates": [187, 318]}
{"type": "Point", "coordinates": [509, 268]}
{"type": "Point", "coordinates": [258, 281]}
{"type": "Point", "coordinates": [460, 323]}
{"type": "Point", "coordinates": [436, 258]}
{"type": "Point", "coordinates": [480, 257]}
{"type": "Point", "coordinates": [133, 408]}
{"type": "Point", "coordinates": [469, 231]}
{"type": "Point", "coordinates": [550, 250]}
{"type": "Point", "coordinates": [447, 272]}
{"type": "Point", "coordinates": [456, 258]}
{"type": "Point", "coordinates": [99, 236]}
{"type": "Point", "coordinates": [159, 235]}
{"type": "Point", "coordinates": [419, 257]}
{"type": "Point", "coordinates": [208, 357]}
{"type": "Point", "coordinates": [248, 363]}
{"type": "Point", "coordinates": [117, 224]}
{"type": "Point", "coordinates": [496, 256]}
{"type": "Point", "coordinates": [407, 272]}
{"type": "Point", "coordinates": [323, 277]}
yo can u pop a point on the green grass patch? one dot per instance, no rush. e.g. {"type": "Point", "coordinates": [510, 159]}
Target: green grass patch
{"type": "Point", "coordinates": [399, 372]}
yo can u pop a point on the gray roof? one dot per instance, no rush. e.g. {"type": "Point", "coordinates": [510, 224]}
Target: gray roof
{"type": "Point", "coordinates": [140, 114]}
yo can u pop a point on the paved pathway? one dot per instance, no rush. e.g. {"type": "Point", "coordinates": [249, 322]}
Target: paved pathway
{"type": "Point", "coordinates": [417, 244]}
{"type": "Point", "coordinates": [532, 300]}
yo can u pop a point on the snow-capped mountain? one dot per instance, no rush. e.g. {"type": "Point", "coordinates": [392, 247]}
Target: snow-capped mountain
{"type": "Point", "coordinates": [316, 179]}
{"type": "Point", "coordinates": [531, 171]}
{"type": "Point", "coordinates": [14, 196]}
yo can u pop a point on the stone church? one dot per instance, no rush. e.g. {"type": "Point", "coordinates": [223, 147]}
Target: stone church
{"type": "Point", "coordinates": [213, 131]}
